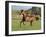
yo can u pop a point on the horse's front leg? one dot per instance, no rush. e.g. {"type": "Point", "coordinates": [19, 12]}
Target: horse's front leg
{"type": "Point", "coordinates": [23, 23]}
{"type": "Point", "coordinates": [20, 23]}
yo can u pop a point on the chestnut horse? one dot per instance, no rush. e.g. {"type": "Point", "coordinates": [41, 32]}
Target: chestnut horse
{"type": "Point", "coordinates": [27, 17]}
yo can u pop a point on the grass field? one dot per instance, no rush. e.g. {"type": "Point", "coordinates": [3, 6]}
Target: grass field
{"type": "Point", "coordinates": [16, 25]}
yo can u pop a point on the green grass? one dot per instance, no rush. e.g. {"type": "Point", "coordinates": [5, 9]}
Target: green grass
{"type": "Point", "coordinates": [16, 25]}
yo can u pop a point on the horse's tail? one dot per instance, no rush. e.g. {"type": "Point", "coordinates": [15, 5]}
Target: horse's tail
{"type": "Point", "coordinates": [37, 18]}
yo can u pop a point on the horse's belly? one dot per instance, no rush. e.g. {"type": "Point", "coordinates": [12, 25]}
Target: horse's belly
{"type": "Point", "coordinates": [28, 19]}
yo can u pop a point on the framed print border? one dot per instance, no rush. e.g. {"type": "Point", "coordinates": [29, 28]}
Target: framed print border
{"type": "Point", "coordinates": [7, 17]}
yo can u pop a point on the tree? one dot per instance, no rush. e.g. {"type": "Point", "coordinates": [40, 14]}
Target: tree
{"type": "Point", "coordinates": [36, 10]}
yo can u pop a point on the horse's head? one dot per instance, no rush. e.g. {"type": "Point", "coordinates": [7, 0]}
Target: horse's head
{"type": "Point", "coordinates": [23, 13]}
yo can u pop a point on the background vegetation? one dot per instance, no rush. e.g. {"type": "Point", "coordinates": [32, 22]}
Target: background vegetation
{"type": "Point", "coordinates": [16, 20]}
